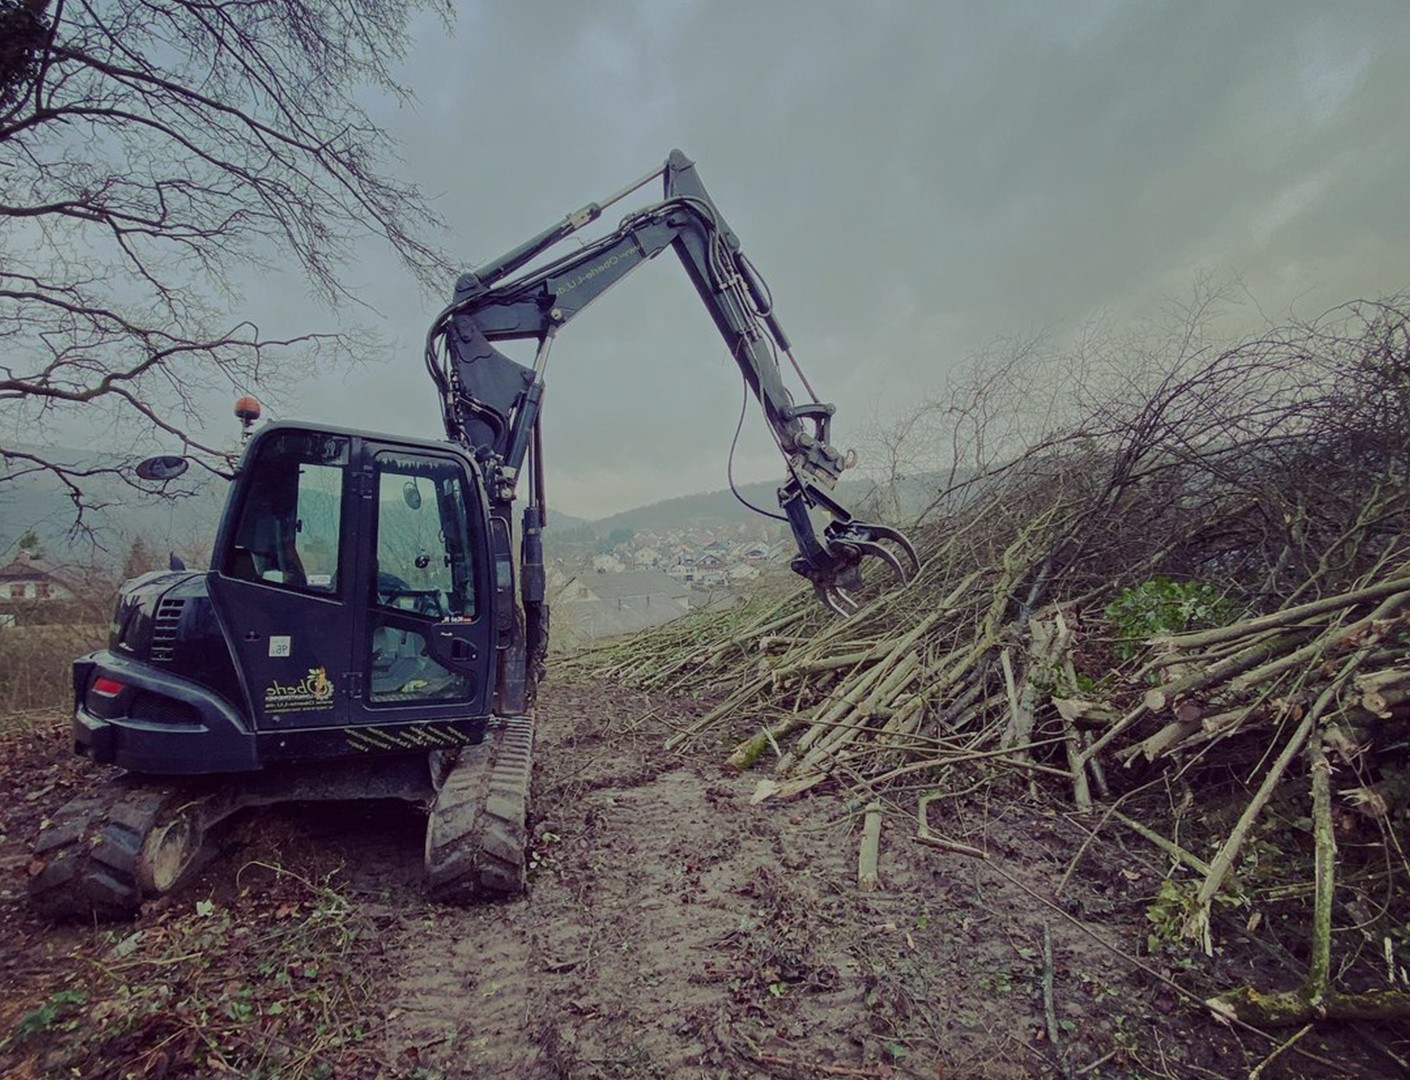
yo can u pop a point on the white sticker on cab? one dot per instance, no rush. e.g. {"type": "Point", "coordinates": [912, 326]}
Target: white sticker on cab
{"type": "Point", "coordinates": [279, 644]}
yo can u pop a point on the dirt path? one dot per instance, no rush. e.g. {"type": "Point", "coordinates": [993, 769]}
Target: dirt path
{"type": "Point", "coordinates": [671, 930]}
{"type": "Point", "coordinates": [674, 930]}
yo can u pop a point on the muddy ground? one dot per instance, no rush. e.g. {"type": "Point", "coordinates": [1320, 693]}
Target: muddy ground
{"type": "Point", "coordinates": [671, 930]}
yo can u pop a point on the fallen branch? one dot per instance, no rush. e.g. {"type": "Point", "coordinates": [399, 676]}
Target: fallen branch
{"type": "Point", "coordinates": [1292, 1006]}
{"type": "Point", "coordinates": [1289, 616]}
{"type": "Point", "coordinates": [868, 879]}
{"type": "Point", "coordinates": [925, 836]}
{"type": "Point", "coordinates": [1197, 925]}
{"type": "Point", "coordinates": [1049, 1005]}
{"type": "Point", "coordinates": [1174, 850]}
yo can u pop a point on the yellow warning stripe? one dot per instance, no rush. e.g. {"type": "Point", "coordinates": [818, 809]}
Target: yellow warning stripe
{"type": "Point", "coordinates": [365, 739]}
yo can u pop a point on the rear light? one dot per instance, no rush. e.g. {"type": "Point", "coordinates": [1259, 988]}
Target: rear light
{"type": "Point", "coordinates": [107, 687]}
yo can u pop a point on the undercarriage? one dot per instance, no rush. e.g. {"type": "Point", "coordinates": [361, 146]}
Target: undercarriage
{"type": "Point", "coordinates": [104, 854]}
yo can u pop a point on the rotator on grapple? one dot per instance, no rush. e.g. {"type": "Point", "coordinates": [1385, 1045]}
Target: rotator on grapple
{"type": "Point", "coordinates": [360, 633]}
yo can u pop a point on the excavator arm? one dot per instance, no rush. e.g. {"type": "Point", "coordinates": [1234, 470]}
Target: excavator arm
{"type": "Point", "coordinates": [492, 403]}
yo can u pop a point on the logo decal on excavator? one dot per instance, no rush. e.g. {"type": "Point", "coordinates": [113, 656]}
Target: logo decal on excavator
{"type": "Point", "coordinates": [592, 272]}
{"type": "Point", "coordinates": [311, 693]}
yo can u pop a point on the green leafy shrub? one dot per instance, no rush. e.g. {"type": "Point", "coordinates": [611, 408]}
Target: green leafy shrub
{"type": "Point", "coordinates": [1163, 606]}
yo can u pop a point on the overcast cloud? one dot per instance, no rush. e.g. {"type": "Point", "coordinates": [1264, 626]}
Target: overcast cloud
{"type": "Point", "coordinates": [912, 178]}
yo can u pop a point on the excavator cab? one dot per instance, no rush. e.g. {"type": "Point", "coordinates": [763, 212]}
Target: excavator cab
{"type": "Point", "coordinates": [352, 582]}
{"type": "Point", "coordinates": [348, 611]}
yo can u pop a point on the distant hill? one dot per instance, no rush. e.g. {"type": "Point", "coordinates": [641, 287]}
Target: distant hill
{"type": "Point", "coordinates": [705, 509]}
{"type": "Point", "coordinates": [721, 507]}
{"type": "Point", "coordinates": [186, 524]}
{"type": "Point", "coordinates": [560, 522]}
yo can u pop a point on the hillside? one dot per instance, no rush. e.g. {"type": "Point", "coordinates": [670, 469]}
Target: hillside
{"type": "Point", "coordinates": [721, 507]}
{"type": "Point", "coordinates": [1186, 620]}
{"type": "Point", "coordinates": [185, 523]}
{"type": "Point", "coordinates": [1114, 787]}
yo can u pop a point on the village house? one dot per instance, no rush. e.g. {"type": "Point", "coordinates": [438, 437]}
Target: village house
{"type": "Point", "coordinates": [607, 563]}
{"type": "Point", "coordinates": [32, 589]}
{"type": "Point", "coordinates": [31, 578]}
{"type": "Point", "coordinates": [701, 571]}
{"type": "Point", "coordinates": [754, 551]}
{"type": "Point", "coordinates": [600, 604]}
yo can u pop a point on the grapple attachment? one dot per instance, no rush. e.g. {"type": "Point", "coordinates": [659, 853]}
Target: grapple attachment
{"type": "Point", "coordinates": [853, 558]}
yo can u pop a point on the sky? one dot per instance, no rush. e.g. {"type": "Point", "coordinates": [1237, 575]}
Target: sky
{"type": "Point", "coordinates": [913, 179]}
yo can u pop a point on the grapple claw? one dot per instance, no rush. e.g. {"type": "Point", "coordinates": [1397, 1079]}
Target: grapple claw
{"type": "Point", "coordinates": [906, 563]}
{"type": "Point", "coordinates": [838, 581]}
{"type": "Point", "coordinates": [835, 599]}
{"type": "Point", "coordinates": [833, 558]}
{"type": "Point", "coordinates": [882, 542]}
{"type": "Point", "coordinates": [886, 555]}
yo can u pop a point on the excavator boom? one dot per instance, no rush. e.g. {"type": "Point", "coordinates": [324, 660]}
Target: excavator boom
{"type": "Point", "coordinates": [493, 403]}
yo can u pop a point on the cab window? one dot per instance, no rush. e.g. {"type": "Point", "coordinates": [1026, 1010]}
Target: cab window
{"type": "Point", "coordinates": [424, 556]}
{"type": "Point", "coordinates": [424, 573]}
{"type": "Point", "coordinates": [290, 521]}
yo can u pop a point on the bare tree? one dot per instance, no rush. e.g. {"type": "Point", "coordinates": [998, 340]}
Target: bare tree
{"type": "Point", "coordinates": [150, 152]}
{"type": "Point", "coordinates": [1002, 402]}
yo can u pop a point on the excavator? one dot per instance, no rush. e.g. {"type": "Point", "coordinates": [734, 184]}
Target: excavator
{"type": "Point", "coordinates": [373, 625]}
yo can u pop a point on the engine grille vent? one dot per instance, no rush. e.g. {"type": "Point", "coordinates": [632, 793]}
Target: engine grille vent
{"type": "Point", "coordinates": [163, 710]}
{"type": "Point", "coordinates": [165, 625]}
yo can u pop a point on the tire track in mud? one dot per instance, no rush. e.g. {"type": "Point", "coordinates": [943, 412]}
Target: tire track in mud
{"type": "Point", "coordinates": [670, 929]}
{"type": "Point", "coordinates": [634, 939]}
{"type": "Point", "coordinates": [611, 965]}
{"type": "Point", "coordinates": [461, 987]}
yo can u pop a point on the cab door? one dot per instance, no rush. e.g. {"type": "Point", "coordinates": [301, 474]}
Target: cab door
{"type": "Point", "coordinates": [283, 584]}
{"type": "Point", "coordinates": [422, 642]}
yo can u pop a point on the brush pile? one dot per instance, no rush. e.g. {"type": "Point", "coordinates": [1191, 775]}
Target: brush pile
{"type": "Point", "coordinates": [1195, 569]}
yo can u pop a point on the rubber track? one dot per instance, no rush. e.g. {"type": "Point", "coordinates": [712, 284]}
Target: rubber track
{"type": "Point", "coordinates": [477, 837]}
{"type": "Point", "coordinates": [88, 849]}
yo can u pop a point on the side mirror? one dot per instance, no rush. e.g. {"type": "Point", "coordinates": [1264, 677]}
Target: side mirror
{"type": "Point", "coordinates": [411, 495]}
{"type": "Point", "coordinates": [163, 467]}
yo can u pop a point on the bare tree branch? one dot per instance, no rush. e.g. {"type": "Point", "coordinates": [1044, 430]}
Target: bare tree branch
{"type": "Point", "coordinates": [150, 152]}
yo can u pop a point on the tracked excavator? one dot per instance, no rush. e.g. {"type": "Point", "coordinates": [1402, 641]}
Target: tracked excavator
{"type": "Point", "coordinates": [373, 625]}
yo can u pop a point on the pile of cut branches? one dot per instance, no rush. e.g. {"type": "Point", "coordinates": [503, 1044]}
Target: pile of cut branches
{"type": "Point", "coordinates": [1202, 574]}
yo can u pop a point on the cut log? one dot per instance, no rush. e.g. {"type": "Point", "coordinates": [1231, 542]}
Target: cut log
{"type": "Point", "coordinates": [868, 877]}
